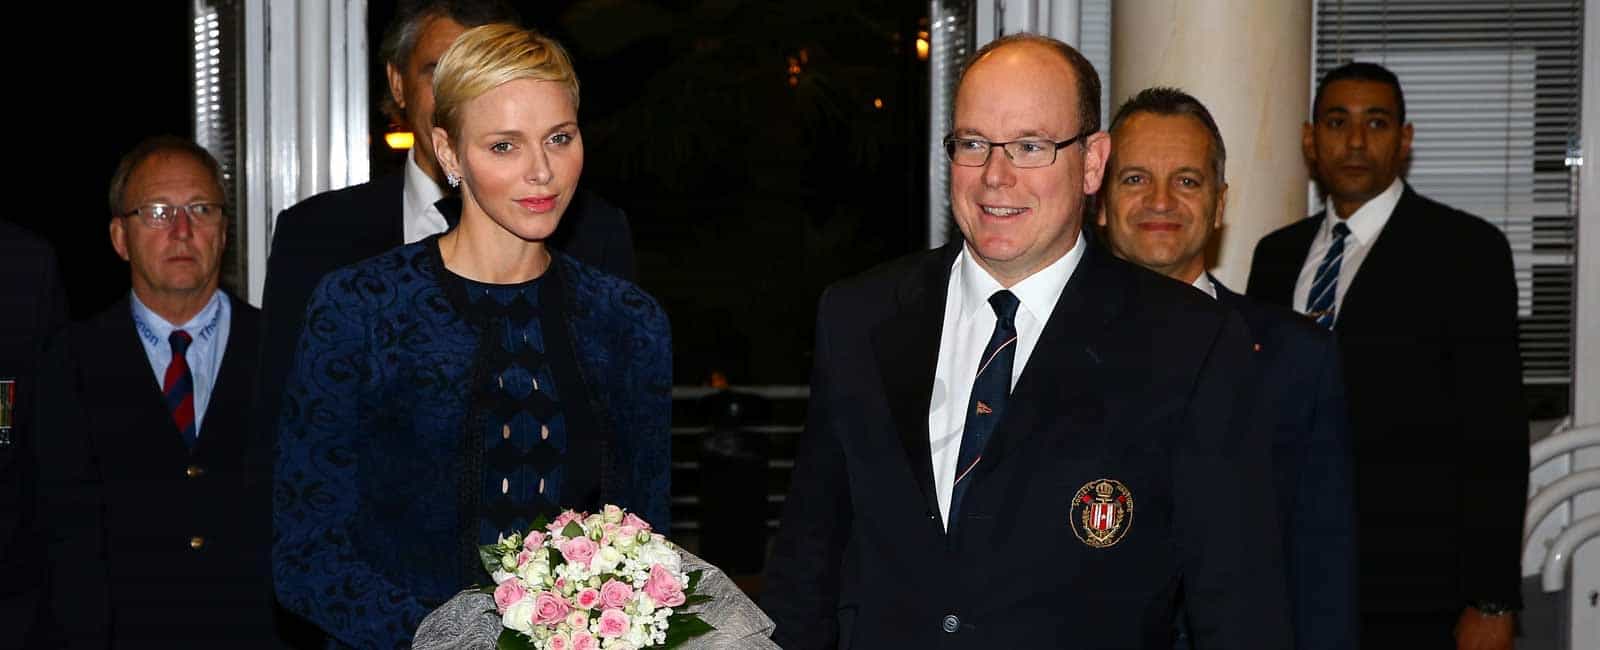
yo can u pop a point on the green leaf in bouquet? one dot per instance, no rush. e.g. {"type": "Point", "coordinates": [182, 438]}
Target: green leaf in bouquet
{"type": "Point", "coordinates": [540, 523]}
{"type": "Point", "coordinates": [691, 601]}
{"type": "Point", "coordinates": [489, 554]}
{"type": "Point", "coordinates": [682, 627]}
{"type": "Point", "coordinates": [513, 640]}
{"type": "Point", "coordinates": [694, 580]}
{"type": "Point", "coordinates": [486, 589]}
{"type": "Point", "coordinates": [572, 531]}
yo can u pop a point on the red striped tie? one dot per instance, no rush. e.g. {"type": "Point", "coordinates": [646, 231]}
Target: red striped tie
{"type": "Point", "coordinates": [177, 386]}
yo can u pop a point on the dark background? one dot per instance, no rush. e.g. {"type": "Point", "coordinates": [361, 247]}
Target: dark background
{"type": "Point", "coordinates": [750, 184]}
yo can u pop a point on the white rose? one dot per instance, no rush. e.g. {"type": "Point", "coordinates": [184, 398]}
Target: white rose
{"type": "Point", "coordinates": [502, 576]}
{"type": "Point", "coordinates": [644, 605]}
{"type": "Point", "coordinates": [606, 560]}
{"type": "Point", "coordinates": [535, 573]}
{"type": "Point", "coordinates": [661, 554]}
{"type": "Point", "coordinates": [519, 616]}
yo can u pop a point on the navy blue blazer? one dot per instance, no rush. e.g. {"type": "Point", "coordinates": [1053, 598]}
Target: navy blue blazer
{"type": "Point", "coordinates": [1302, 402]}
{"type": "Point", "coordinates": [150, 543]}
{"type": "Point", "coordinates": [376, 477]}
{"type": "Point", "coordinates": [1134, 379]}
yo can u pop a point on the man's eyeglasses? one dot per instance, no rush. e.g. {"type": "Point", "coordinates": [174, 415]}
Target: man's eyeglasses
{"type": "Point", "coordinates": [159, 216]}
{"type": "Point", "coordinates": [1026, 153]}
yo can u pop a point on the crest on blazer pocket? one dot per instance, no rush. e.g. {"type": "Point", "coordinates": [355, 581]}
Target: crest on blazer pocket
{"type": "Point", "coordinates": [1101, 512]}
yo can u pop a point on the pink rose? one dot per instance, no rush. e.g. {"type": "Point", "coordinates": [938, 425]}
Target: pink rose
{"type": "Point", "coordinates": [613, 623]}
{"type": "Point", "coordinates": [579, 620]}
{"type": "Point", "coordinates": [579, 550]}
{"type": "Point", "coordinates": [584, 641]}
{"type": "Point", "coordinates": [588, 599]}
{"type": "Point", "coordinates": [549, 608]}
{"type": "Point", "coordinates": [559, 642]}
{"type": "Point", "coordinates": [564, 519]}
{"type": "Point", "coordinates": [635, 521]}
{"type": "Point", "coordinates": [608, 532]}
{"type": "Point", "coordinates": [508, 593]}
{"type": "Point", "coordinates": [523, 557]}
{"type": "Point", "coordinates": [663, 588]}
{"type": "Point", "coordinates": [615, 594]}
{"type": "Point", "coordinates": [534, 540]}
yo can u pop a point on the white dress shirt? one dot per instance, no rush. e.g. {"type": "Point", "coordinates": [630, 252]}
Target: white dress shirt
{"type": "Point", "coordinates": [1204, 284]}
{"type": "Point", "coordinates": [208, 334]}
{"type": "Point", "coordinates": [422, 219]}
{"type": "Point", "coordinates": [1365, 226]}
{"type": "Point", "coordinates": [968, 325]}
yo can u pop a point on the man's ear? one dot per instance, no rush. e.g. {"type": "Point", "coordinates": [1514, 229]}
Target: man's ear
{"type": "Point", "coordinates": [1222, 206]}
{"type": "Point", "coordinates": [397, 85]}
{"type": "Point", "coordinates": [119, 237]}
{"type": "Point", "coordinates": [1308, 145]}
{"type": "Point", "coordinates": [1097, 148]}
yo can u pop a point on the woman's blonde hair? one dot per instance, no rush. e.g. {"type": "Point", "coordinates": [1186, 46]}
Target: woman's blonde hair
{"type": "Point", "coordinates": [485, 57]}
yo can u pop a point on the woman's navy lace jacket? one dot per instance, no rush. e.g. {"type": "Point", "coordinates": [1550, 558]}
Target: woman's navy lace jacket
{"type": "Point", "coordinates": [377, 474]}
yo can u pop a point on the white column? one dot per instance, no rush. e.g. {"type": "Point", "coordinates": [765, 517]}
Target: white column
{"type": "Point", "coordinates": [1249, 62]}
{"type": "Point", "coordinates": [1584, 620]}
{"type": "Point", "coordinates": [305, 111]}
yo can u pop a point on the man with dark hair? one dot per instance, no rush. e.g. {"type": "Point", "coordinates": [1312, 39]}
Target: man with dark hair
{"type": "Point", "coordinates": [1423, 301]}
{"type": "Point", "coordinates": [344, 226]}
{"type": "Point", "coordinates": [153, 532]}
{"type": "Point", "coordinates": [1018, 440]}
{"type": "Point", "coordinates": [1164, 199]}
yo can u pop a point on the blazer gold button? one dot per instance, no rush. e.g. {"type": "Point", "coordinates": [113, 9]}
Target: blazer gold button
{"type": "Point", "coordinates": [197, 542]}
{"type": "Point", "coordinates": [194, 471]}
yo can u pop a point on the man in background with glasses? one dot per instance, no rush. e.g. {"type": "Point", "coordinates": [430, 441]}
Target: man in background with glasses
{"type": "Point", "coordinates": [1019, 440]}
{"type": "Point", "coordinates": [154, 534]}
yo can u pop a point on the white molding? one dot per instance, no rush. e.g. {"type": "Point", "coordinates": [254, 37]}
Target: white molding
{"type": "Point", "coordinates": [305, 111]}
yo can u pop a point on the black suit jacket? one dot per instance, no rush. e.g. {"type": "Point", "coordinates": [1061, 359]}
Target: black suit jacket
{"type": "Point", "coordinates": [1301, 400]}
{"type": "Point", "coordinates": [32, 307]}
{"type": "Point", "coordinates": [1133, 379]}
{"type": "Point", "coordinates": [1428, 332]}
{"type": "Point", "coordinates": [150, 543]}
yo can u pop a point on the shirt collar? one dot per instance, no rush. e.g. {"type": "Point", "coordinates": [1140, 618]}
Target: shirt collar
{"type": "Point", "coordinates": [420, 190]}
{"type": "Point", "coordinates": [155, 329]}
{"type": "Point", "coordinates": [1370, 218]}
{"type": "Point", "coordinates": [1038, 292]}
{"type": "Point", "coordinates": [1204, 284]}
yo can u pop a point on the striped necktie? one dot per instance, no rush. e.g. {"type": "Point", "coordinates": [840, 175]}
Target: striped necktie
{"type": "Point", "coordinates": [177, 386]}
{"type": "Point", "coordinates": [990, 390]}
{"type": "Point", "coordinates": [1325, 287]}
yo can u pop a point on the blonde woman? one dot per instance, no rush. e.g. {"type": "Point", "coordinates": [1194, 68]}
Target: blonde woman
{"type": "Point", "coordinates": [454, 389]}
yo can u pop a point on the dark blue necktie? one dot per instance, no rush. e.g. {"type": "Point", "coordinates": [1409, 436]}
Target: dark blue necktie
{"type": "Point", "coordinates": [1325, 286]}
{"type": "Point", "coordinates": [990, 390]}
{"type": "Point", "coordinates": [177, 386]}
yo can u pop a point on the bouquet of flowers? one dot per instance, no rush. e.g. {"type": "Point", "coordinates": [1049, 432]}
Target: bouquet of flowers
{"type": "Point", "coordinates": [590, 582]}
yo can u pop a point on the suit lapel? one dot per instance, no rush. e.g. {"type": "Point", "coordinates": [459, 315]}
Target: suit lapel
{"type": "Point", "coordinates": [232, 375]}
{"type": "Point", "coordinates": [1281, 280]}
{"type": "Point", "coordinates": [118, 371]}
{"type": "Point", "coordinates": [1057, 381]}
{"type": "Point", "coordinates": [1387, 259]}
{"type": "Point", "coordinates": [907, 347]}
